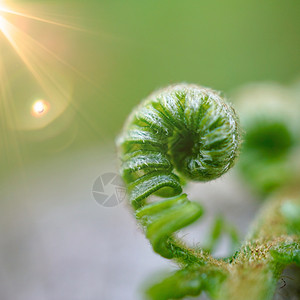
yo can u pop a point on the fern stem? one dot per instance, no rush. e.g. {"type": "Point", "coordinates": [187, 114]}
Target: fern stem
{"type": "Point", "coordinates": [254, 271]}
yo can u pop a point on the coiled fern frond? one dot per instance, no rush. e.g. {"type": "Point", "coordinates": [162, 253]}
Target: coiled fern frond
{"type": "Point", "coordinates": [187, 132]}
{"type": "Point", "coordinates": [180, 132]}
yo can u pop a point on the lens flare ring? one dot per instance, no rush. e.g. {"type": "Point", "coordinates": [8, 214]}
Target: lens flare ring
{"type": "Point", "coordinates": [51, 73]}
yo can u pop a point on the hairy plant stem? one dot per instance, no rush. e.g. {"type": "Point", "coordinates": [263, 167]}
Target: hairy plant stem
{"type": "Point", "coordinates": [186, 256]}
{"type": "Point", "coordinates": [253, 272]}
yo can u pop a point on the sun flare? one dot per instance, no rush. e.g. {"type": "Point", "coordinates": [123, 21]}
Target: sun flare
{"type": "Point", "coordinates": [44, 56]}
{"type": "Point", "coordinates": [40, 108]}
{"type": "Point", "coordinates": [35, 63]}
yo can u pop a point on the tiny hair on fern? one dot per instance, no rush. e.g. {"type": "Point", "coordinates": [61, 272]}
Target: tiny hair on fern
{"type": "Point", "coordinates": [188, 132]}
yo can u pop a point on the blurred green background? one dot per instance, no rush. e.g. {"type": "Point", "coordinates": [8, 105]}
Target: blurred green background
{"type": "Point", "coordinates": [126, 50]}
{"type": "Point", "coordinates": [56, 242]}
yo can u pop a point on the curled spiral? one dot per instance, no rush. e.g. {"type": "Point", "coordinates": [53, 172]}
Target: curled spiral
{"type": "Point", "coordinates": [182, 131]}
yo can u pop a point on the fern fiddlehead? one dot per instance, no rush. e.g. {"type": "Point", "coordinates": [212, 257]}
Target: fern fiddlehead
{"type": "Point", "coordinates": [186, 127]}
{"type": "Point", "coordinates": [189, 132]}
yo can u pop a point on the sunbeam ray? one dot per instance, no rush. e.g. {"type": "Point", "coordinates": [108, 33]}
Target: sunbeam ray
{"type": "Point", "coordinates": [13, 12]}
{"type": "Point", "coordinates": [45, 69]}
{"type": "Point", "coordinates": [9, 136]}
{"type": "Point", "coordinates": [53, 74]}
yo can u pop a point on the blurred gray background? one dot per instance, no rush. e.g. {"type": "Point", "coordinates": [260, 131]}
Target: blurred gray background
{"type": "Point", "coordinates": [61, 244]}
